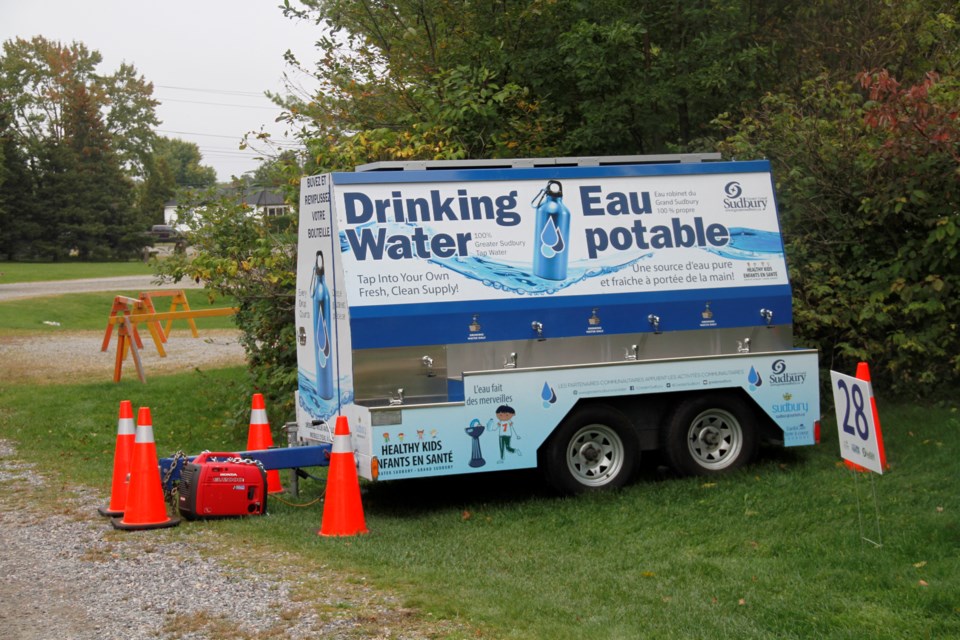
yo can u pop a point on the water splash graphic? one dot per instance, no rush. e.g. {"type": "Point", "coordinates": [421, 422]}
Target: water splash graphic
{"type": "Point", "coordinates": [517, 277]}
{"type": "Point", "coordinates": [319, 407]}
{"type": "Point", "coordinates": [750, 244]}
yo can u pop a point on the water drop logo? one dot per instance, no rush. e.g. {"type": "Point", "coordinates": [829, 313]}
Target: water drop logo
{"type": "Point", "coordinates": [548, 395]}
{"type": "Point", "coordinates": [754, 379]}
{"type": "Point", "coordinates": [551, 240]}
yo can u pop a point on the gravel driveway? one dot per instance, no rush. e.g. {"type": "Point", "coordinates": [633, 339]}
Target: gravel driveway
{"type": "Point", "coordinates": [44, 358]}
{"type": "Point", "coordinates": [16, 290]}
{"type": "Point", "coordinates": [67, 574]}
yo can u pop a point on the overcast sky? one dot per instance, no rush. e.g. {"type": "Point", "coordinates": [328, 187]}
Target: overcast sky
{"type": "Point", "coordinates": [209, 60]}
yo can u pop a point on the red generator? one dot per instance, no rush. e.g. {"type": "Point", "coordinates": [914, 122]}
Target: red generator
{"type": "Point", "coordinates": [221, 485]}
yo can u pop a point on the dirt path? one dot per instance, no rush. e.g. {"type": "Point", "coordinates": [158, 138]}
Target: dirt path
{"type": "Point", "coordinates": [68, 574]}
{"type": "Point", "coordinates": [50, 358]}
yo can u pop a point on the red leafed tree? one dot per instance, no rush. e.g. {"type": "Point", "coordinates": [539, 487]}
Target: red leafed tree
{"type": "Point", "coordinates": [921, 118]}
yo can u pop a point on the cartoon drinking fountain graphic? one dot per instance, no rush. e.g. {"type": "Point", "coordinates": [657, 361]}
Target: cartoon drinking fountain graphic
{"type": "Point", "coordinates": [475, 430]}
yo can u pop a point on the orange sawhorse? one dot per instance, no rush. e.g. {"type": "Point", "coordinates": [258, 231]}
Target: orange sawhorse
{"type": "Point", "coordinates": [127, 330]}
{"type": "Point", "coordinates": [125, 306]}
{"type": "Point", "coordinates": [178, 302]}
{"type": "Point", "coordinates": [144, 304]}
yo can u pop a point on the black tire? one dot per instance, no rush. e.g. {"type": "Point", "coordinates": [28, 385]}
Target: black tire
{"type": "Point", "coordinates": [593, 449]}
{"type": "Point", "coordinates": [710, 435]}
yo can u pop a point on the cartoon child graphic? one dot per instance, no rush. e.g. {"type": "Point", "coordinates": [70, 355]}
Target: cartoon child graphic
{"type": "Point", "coordinates": [503, 426]}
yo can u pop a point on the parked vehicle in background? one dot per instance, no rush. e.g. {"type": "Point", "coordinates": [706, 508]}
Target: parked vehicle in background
{"type": "Point", "coordinates": [164, 233]}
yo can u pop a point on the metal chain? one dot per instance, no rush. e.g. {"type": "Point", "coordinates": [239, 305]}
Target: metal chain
{"type": "Point", "coordinates": [169, 490]}
{"type": "Point", "coordinates": [248, 461]}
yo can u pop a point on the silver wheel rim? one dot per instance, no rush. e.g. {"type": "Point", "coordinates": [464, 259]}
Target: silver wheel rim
{"type": "Point", "coordinates": [595, 455]}
{"type": "Point", "coordinates": [715, 439]}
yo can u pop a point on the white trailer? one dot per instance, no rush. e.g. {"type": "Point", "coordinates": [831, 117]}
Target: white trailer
{"type": "Point", "coordinates": [565, 313]}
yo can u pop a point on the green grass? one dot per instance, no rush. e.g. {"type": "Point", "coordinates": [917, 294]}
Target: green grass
{"type": "Point", "coordinates": [39, 271]}
{"type": "Point", "coordinates": [774, 551]}
{"type": "Point", "coordinates": [186, 409]}
{"type": "Point", "coordinates": [87, 311]}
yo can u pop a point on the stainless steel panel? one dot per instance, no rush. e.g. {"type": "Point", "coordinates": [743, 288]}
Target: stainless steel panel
{"type": "Point", "coordinates": [422, 373]}
{"type": "Point", "coordinates": [379, 374]}
{"type": "Point", "coordinates": [614, 348]}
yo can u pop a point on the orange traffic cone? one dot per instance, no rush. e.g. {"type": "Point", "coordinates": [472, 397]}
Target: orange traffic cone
{"type": "Point", "coordinates": [145, 508]}
{"type": "Point", "coordinates": [863, 373]}
{"type": "Point", "coordinates": [259, 437]}
{"type": "Point", "coordinates": [342, 509]}
{"type": "Point", "coordinates": [121, 462]}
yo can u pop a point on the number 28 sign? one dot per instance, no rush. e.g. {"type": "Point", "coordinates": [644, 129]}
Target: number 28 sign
{"type": "Point", "coordinates": [860, 439]}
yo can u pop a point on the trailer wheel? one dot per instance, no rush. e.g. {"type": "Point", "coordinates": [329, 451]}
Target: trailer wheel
{"type": "Point", "coordinates": [710, 435]}
{"type": "Point", "coordinates": [593, 448]}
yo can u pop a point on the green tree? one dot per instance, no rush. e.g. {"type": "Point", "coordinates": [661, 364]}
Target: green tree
{"type": "Point", "coordinates": [157, 188]}
{"type": "Point", "coordinates": [841, 38]}
{"type": "Point", "coordinates": [183, 160]}
{"type": "Point", "coordinates": [86, 200]}
{"type": "Point", "coordinates": [18, 225]}
{"type": "Point", "coordinates": [648, 77]}
{"type": "Point", "coordinates": [437, 79]}
{"type": "Point", "coordinates": [130, 118]}
{"type": "Point", "coordinates": [278, 172]}
{"type": "Point", "coordinates": [37, 77]}
{"type": "Point", "coordinates": [240, 256]}
{"type": "Point", "coordinates": [56, 185]}
{"type": "Point", "coordinates": [411, 81]}
{"type": "Point", "coordinates": [72, 139]}
{"type": "Point", "coordinates": [869, 195]}
{"type": "Point", "coordinates": [433, 79]}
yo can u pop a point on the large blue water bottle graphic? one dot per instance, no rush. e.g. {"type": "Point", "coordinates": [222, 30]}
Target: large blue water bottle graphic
{"type": "Point", "coordinates": [552, 233]}
{"type": "Point", "coordinates": [320, 294]}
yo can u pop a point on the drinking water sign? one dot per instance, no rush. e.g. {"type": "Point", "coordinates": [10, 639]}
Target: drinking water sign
{"type": "Point", "coordinates": [408, 243]}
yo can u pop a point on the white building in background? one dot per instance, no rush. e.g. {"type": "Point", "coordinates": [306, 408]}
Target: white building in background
{"type": "Point", "coordinates": [263, 203]}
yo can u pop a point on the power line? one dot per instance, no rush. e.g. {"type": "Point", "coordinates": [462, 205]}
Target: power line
{"type": "Point", "coordinates": [248, 152]}
{"type": "Point", "coordinates": [192, 133]}
{"type": "Point", "coordinates": [220, 104]}
{"type": "Point", "coordinates": [286, 142]}
{"type": "Point", "coordinates": [225, 92]}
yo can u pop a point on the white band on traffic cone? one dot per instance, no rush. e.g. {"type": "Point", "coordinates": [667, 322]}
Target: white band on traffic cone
{"type": "Point", "coordinates": [258, 416]}
{"type": "Point", "coordinates": [341, 444]}
{"type": "Point", "coordinates": [144, 434]}
{"type": "Point", "coordinates": [125, 427]}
